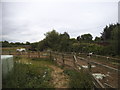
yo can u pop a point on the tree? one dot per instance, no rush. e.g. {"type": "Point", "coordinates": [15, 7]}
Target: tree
{"type": "Point", "coordinates": [78, 38]}
{"type": "Point", "coordinates": [86, 37]}
{"type": "Point", "coordinates": [34, 46]}
{"type": "Point", "coordinates": [64, 42]}
{"type": "Point", "coordinates": [97, 39]}
{"type": "Point", "coordinates": [115, 39]}
{"type": "Point", "coordinates": [106, 35]}
{"type": "Point", "coordinates": [5, 44]}
{"type": "Point", "coordinates": [27, 43]}
{"type": "Point", "coordinates": [43, 45]}
{"type": "Point", "coordinates": [66, 35]}
{"type": "Point", "coordinates": [52, 39]}
{"type": "Point", "coordinates": [111, 34]}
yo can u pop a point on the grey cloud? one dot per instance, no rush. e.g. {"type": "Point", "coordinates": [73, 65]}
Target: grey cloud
{"type": "Point", "coordinates": [29, 21]}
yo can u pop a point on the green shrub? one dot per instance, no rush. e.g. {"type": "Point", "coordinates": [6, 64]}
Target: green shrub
{"type": "Point", "coordinates": [28, 76]}
{"type": "Point", "coordinates": [79, 79]}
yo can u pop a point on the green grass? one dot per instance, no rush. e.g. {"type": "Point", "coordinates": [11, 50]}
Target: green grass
{"type": "Point", "coordinates": [44, 60]}
{"type": "Point", "coordinates": [79, 79]}
{"type": "Point", "coordinates": [29, 76]}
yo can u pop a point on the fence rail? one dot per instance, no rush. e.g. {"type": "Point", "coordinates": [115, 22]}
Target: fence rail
{"type": "Point", "coordinates": [96, 63]}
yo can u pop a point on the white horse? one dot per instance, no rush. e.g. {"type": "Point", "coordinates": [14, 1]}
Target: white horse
{"type": "Point", "coordinates": [21, 50]}
{"type": "Point", "coordinates": [90, 54]}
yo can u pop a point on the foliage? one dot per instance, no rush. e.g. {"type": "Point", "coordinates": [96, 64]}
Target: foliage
{"type": "Point", "coordinates": [28, 76]}
{"type": "Point", "coordinates": [64, 42]}
{"type": "Point", "coordinates": [87, 47]}
{"type": "Point", "coordinates": [34, 46]}
{"type": "Point", "coordinates": [86, 37]}
{"type": "Point", "coordinates": [97, 39]}
{"type": "Point", "coordinates": [15, 44]}
{"type": "Point", "coordinates": [111, 34]}
{"type": "Point", "coordinates": [42, 45]}
{"type": "Point", "coordinates": [52, 39]}
{"type": "Point", "coordinates": [55, 41]}
{"type": "Point", "coordinates": [79, 79]}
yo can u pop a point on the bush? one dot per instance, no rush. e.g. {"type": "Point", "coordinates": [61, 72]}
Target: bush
{"type": "Point", "coordinates": [79, 79]}
{"type": "Point", "coordinates": [87, 47]}
{"type": "Point", "coordinates": [28, 76]}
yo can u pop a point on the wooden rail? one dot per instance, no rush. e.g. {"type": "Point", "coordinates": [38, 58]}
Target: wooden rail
{"type": "Point", "coordinates": [96, 63]}
{"type": "Point", "coordinates": [106, 57]}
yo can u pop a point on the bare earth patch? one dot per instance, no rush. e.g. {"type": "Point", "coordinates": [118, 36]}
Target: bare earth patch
{"type": "Point", "coordinates": [59, 79]}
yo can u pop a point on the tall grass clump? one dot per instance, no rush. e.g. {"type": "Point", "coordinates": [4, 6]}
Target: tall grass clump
{"type": "Point", "coordinates": [79, 79]}
{"type": "Point", "coordinates": [28, 76]}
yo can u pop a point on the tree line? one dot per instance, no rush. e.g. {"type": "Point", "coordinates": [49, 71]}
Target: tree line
{"type": "Point", "coordinates": [11, 44]}
{"type": "Point", "coordinates": [107, 44]}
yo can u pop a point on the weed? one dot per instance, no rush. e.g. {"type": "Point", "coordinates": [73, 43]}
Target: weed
{"type": "Point", "coordinates": [79, 79]}
{"type": "Point", "coordinates": [28, 76]}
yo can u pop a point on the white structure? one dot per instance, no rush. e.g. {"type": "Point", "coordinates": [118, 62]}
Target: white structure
{"type": "Point", "coordinates": [7, 64]}
{"type": "Point", "coordinates": [107, 57]}
{"type": "Point", "coordinates": [99, 75]}
{"type": "Point", "coordinates": [0, 74]}
{"type": "Point", "coordinates": [90, 54]}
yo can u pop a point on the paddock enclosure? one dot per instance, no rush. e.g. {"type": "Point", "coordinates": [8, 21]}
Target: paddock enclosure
{"type": "Point", "coordinates": [104, 70]}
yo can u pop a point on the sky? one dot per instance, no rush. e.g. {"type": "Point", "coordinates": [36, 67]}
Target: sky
{"type": "Point", "coordinates": [29, 21]}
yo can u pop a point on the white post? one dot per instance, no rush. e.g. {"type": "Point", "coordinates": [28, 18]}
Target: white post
{"type": "Point", "coordinates": [0, 74]}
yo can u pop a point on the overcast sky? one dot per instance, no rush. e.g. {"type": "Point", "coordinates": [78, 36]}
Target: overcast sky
{"type": "Point", "coordinates": [29, 21]}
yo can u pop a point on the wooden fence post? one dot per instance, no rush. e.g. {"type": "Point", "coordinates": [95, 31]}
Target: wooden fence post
{"type": "Point", "coordinates": [89, 66]}
{"type": "Point", "coordinates": [63, 60]}
{"type": "Point", "coordinates": [50, 55]}
{"type": "Point", "coordinates": [28, 54]}
{"type": "Point", "coordinates": [38, 54]}
{"type": "Point", "coordinates": [56, 56]}
{"type": "Point", "coordinates": [74, 60]}
{"type": "Point", "coordinates": [9, 52]}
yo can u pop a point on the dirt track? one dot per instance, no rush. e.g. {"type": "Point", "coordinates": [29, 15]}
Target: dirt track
{"type": "Point", "coordinates": [59, 79]}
